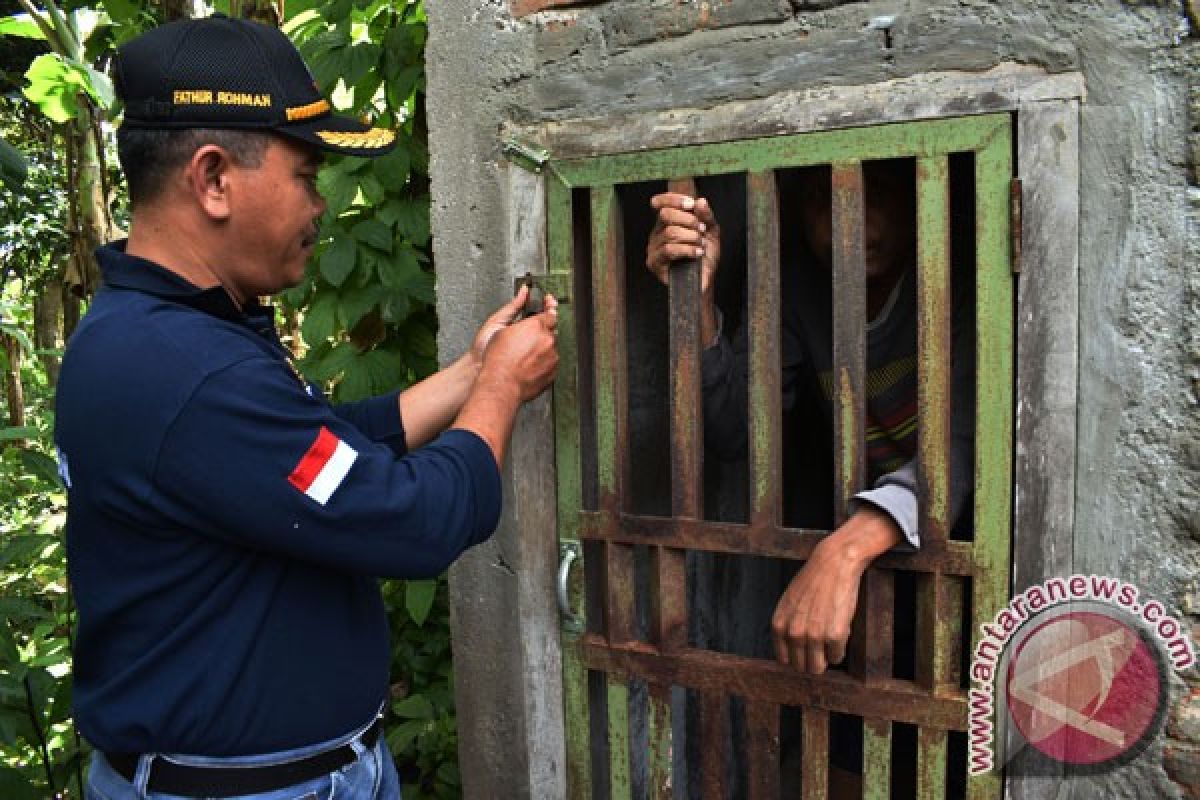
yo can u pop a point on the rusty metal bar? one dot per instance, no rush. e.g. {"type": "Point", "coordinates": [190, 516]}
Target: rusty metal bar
{"type": "Point", "coordinates": [761, 752]}
{"type": "Point", "coordinates": [769, 682]}
{"type": "Point", "coordinates": [951, 557]}
{"type": "Point", "coordinates": [933, 346]}
{"type": "Point", "coordinates": [939, 631]}
{"type": "Point", "coordinates": [660, 783]}
{"type": "Point", "coordinates": [815, 774]}
{"type": "Point", "coordinates": [994, 400]}
{"type": "Point", "coordinates": [561, 258]}
{"type": "Point", "coordinates": [877, 759]}
{"type": "Point", "coordinates": [715, 744]}
{"type": "Point", "coordinates": [687, 434]}
{"type": "Point", "coordinates": [931, 764]}
{"type": "Point", "coordinates": [849, 335]}
{"type": "Point", "coordinates": [619, 763]}
{"type": "Point", "coordinates": [612, 404]}
{"type": "Point", "coordinates": [765, 420]}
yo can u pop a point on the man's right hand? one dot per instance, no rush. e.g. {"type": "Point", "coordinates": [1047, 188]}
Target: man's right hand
{"type": "Point", "coordinates": [524, 353]}
{"type": "Point", "coordinates": [684, 228]}
{"type": "Point", "coordinates": [519, 362]}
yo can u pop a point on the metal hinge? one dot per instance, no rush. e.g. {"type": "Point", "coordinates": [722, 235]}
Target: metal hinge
{"type": "Point", "coordinates": [526, 156]}
{"type": "Point", "coordinates": [1016, 210]}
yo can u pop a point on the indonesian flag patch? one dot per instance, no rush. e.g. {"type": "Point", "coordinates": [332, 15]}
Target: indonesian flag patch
{"type": "Point", "coordinates": [324, 467]}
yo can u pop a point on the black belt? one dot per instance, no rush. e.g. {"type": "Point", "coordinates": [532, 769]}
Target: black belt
{"type": "Point", "coordinates": [169, 777]}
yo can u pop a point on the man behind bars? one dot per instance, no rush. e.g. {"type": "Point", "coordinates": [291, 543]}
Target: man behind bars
{"type": "Point", "coordinates": [226, 525]}
{"type": "Point", "coordinates": [812, 619]}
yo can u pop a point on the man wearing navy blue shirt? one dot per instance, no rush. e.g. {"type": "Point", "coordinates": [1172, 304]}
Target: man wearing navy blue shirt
{"type": "Point", "coordinates": [226, 524]}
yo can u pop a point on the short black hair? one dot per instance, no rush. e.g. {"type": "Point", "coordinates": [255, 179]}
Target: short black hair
{"type": "Point", "coordinates": [148, 155]}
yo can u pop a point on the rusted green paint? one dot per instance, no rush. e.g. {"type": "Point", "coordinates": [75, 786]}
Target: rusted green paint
{"type": "Point", "coordinates": [620, 785]}
{"type": "Point", "coordinates": [814, 777]}
{"type": "Point", "coordinates": [608, 280]}
{"type": "Point", "coordinates": [931, 764]}
{"type": "Point", "coordinates": [659, 777]}
{"type": "Point", "coordinates": [570, 486]}
{"type": "Point", "coordinates": [867, 690]}
{"type": "Point", "coordinates": [849, 334]}
{"type": "Point", "coordinates": [930, 137]}
{"type": "Point", "coordinates": [933, 344]}
{"type": "Point", "coordinates": [877, 759]}
{"type": "Point", "coordinates": [765, 425]}
{"type": "Point", "coordinates": [994, 387]}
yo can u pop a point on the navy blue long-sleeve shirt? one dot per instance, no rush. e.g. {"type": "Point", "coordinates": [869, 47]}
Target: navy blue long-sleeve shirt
{"type": "Point", "coordinates": [226, 525]}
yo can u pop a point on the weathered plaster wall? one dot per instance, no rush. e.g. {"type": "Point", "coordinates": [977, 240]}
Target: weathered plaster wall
{"type": "Point", "coordinates": [1137, 511]}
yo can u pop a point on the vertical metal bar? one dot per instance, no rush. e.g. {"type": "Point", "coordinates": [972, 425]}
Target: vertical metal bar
{"type": "Point", "coordinates": [877, 759]}
{"type": "Point", "coordinates": [939, 601]}
{"type": "Point", "coordinates": [933, 346]}
{"type": "Point", "coordinates": [993, 404]}
{"type": "Point", "coordinates": [762, 750]}
{"type": "Point", "coordinates": [765, 420]}
{"type": "Point", "coordinates": [619, 774]}
{"type": "Point", "coordinates": [612, 404]}
{"type": "Point", "coordinates": [660, 780]}
{"type": "Point", "coordinates": [612, 459]}
{"type": "Point", "coordinates": [577, 713]}
{"type": "Point", "coordinates": [849, 334]}
{"type": "Point", "coordinates": [931, 764]}
{"type": "Point", "coordinates": [687, 455]}
{"type": "Point", "coordinates": [714, 744]}
{"type": "Point", "coordinates": [815, 777]}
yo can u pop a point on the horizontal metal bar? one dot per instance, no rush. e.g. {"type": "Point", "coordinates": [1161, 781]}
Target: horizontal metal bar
{"type": "Point", "coordinates": [767, 681]}
{"type": "Point", "coordinates": [951, 558]}
{"type": "Point", "coordinates": [903, 140]}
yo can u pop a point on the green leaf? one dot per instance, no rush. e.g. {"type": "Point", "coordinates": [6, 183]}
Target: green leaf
{"type": "Point", "coordinates": [40, 465]}
{"type": "Point", "coordinates": [392, 169]}
{"type": "Point", "coordinates": [411, 217]}
{"type": "Point", "coordinates": [355, 383]}
{"type": "Point", "coordinates": [19, 609]}
{"type": "Point", "coordinates": [332, 364]}
{"type": "Point", "coordinates": [374, 232]}
{"type": "Point", "coordinates": [418, 599]}
{"type": "Point", "coordinates": [13, 166]}
{"type": "Point", "coordinates": [17, 434]}
{"type": "Point", "coordinates": [372, 188]}
{"type": "Point", "coordinates": [15, 786]}
{"type": "Point", "coordinates": [338, 260]}
{"type": "Point", "coordinates": [400, 272]}
{"type": "Point", "coordinates": [121, 10]}
{"type": "Point", "coordinates": [357, 61]}
{"type": "Point", "coordinates": [338, 188]}
{"type": "Point", "coordinates": [356, 302]}
{"type": "Point", "coordinates": [415, 706]}
{"type": "Point", "coordinates": [320, 319]}
{"type": "Point", "coordinates": [21, 25]}
{"type": "Point", "coordinates": [51, 89]}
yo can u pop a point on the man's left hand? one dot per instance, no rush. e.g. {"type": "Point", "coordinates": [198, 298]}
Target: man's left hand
{"type": "Point", "coordinates": [811, 624]}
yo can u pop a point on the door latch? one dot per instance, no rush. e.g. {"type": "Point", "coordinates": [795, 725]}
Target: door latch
{"type": "Point", "coordinates": [539, 287]}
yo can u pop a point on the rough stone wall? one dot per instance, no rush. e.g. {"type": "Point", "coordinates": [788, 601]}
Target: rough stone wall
{"type": "Point", "coordinates": [1138, 484]}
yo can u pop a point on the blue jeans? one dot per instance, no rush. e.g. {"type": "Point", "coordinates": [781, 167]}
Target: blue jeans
{"type": "Point", "coordinates": [372, 776]}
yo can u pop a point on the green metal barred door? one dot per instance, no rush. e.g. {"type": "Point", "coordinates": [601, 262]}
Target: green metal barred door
{"type": "Point", "coordinates": [603, 656]}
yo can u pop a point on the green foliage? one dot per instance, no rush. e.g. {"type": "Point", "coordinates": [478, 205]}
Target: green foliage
{"type": "Point", "coordinates": [364, 310]}
{"type": "Point", "coordinates": [367, 298]}
{"type": "Point", "coordinates": [39, 750]}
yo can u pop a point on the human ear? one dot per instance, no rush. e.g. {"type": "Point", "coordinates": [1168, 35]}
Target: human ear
{"type": "Point", "coordinates": [208, 177]}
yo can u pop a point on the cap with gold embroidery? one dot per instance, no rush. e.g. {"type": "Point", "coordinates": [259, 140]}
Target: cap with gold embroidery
{"type": "Point", "coordinates": [219, 72]}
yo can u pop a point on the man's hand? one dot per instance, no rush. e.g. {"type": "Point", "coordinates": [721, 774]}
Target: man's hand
{"type": "Point", "coordinates": [812, 620]}
{"type": "Point", "coordinates": [504, 316]}
{"type": "Point", "coordinates": [519, 362]}
{"type": "Point", "coordinates": [684, 229]}
{"type": "Point", "coordinates": [521, 353]}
